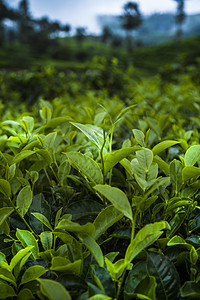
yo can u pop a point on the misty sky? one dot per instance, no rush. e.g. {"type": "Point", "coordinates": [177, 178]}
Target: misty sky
{"type": "Point", "coordinates": [84, 12]}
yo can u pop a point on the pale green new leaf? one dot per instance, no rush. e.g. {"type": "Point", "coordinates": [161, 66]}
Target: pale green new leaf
{"type": "Point", "coordinates": [53, 290]}
{"type": "Point", "coordinates": [24, 200]}
{"type": "Point", "coordinates": [117, 197]}
{"type": "Point", "coordinates": [144, 238]}
{"type": "Point", "coordinates": [93, 247]}
{"type": "Point", "coordinates": [49, 140]}
{"type": "Point", "coordinates": [106, 218]}
{"type": "Point", "coordinates": [86, 166]}
{"type": "Point", "coordinates": [22, 155]}
{"type": "Point", "coordinates": [145, 158]}
{"type": "Point", "coordinates": [46, 238]}
{"type": "Point", "coordinates": [19, 256]}
{"type": "Point", "coordinates": [163, 145]}
{"type": "Point", "coordinates": [139, 136]}
{"type": "Point", "coordinates": [7, 276]}
{"type": "Point", "coordinates": [192, 155]}
{"type": "Point", "coordinates": [190, 172]}
{"type": "Point", "coordinates": [32, 273]}
{"type": "Point", "coordinates": [5, 212]}
{"type": "Point", "coordinates": [27, 239]}
{"type": "Point", "coordinates": [5, 187]}
{"type": "Point", "coordinates": [42, 219]}
{"type": "Point", "coordinates": [112, 158]}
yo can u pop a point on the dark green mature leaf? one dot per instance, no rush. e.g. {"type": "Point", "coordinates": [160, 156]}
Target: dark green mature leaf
{"type": "Point", "coordinates": [135, 276]}
{"type": "Point", "coordinates": [105, 279]}
{"type": "Point", "coordinates": [5, 187]}
{"type": "Point", "coordinates": [25, 294]}
{"type": "Point", "coordinates": [190, 289]}
{"type": "Point", "coordinates": [27, 239]}
{"type": "Point", "coordinates": [192, 155]}
{"type": "Point", "coordinates": [167, 277]}
{"type": "Point", "coordinates": [117, 197]}
{"type": "Point", "coordinates": [53, 290]}
{"type": "Point", "coordinates": [6, 291]}
{"type": "Point", "coordinates": [24, 200]}
{"type": "Point", "coordinates": [86, 166]}
{"type": "Point", "coordinates": [5, 212]}
{"type": "Point", "coordinates": [106, 218]}
{"type": "Point", "coordinates": [112, 158]}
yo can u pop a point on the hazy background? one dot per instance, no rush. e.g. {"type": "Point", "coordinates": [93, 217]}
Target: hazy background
{"type": "Point", "coordinates": [85, 12]}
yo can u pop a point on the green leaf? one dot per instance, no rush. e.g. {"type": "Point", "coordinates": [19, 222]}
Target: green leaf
{"type": "Point", "coordinates": [25, 294]}
{"type": "Point", "coordinates": [111, 159]}
{"type": "Point", "coordinates": [144, 238]}
{"type": "Point", "coordinates": [53, 290]}
{"type": "Point", "coordinates": [139, 174]}
{"type": "Point", "coordinates": [176, 168]}
{"type": "Point", "coordinates": [55, 122]}
{"type": "Point", "coordinates": [163, 145]}
{"type": "Point", "coordinates": [16, 259]}
{"type": "Point", "coordinates": [5, 188]}
{"type": "Point", "coordinates": [100, 297]}
{"type": "Point", "coordinates": [7, 276]}
{"type": "Point", "coordinates": [45, 113]}
{"type": "Point", "coordinates": [93, 133]}
{"type": "Point", "coordinates": [147, 287]}
{"type": "Point", "coordinates": [68, 225]}
{"type": "Point", "coordinates": [45, 155]}
{"type": "Point", "coordinates": [22, 155]}
{"type": "Point", "coordinates": [93, 247]}
{"type": "Point", "coordinates": [190, 172]}
{"type": "Point", "coordinates": [63, 171]}
{"type": "Point", "coordinates": [62, 264]}
{"type": "Point", "coordinates": [27, 123]}
{"type": "Point", "coordinates": [135, 276]}
{"type": "Point", "coordinates": [46, 238]}
{"type": "Point", "coordinates": [6, 291]}
{"type": "Point", "coordinates": [139, 136]}
{"type": "Point", "coordinates": [116, 269]}
{"type": "Point", "coordinates": [27, 239]}
{"type": "Point", "coordinates": [106, 218]}
{"type": "Point", "coordinates": [117, 197]}
{"type": "Point", "coordinates": [190, 289]}
{"type": "Point", "coordinates": [42, 219]}
{"type": "Point", "coordinates": [24, 200]}
{"type": "Point", "coordinates": [86, 166]}
{"type": "Point", "coordinates": [192, 155]}
{"type": "Point", "coordinates": [167, 277]}
{"type": "Point", "coordinates": [49, 140]}
{"type": "Point", "coordinates": [145, 158]}
{"type": "Point", "coordinates": [5, 212]}
{"type": "Point", "coordinates": [32, 273]}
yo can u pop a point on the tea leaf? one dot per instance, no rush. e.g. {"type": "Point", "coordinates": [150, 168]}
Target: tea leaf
{"type": "Point", "coordinates": [163, 145]}
{"type": "Point", "coordinates": [27, 239]}
{"type": "Point", "coordinates": [117, 197]}
{"type": "Point", "coordinates": [86, 166]}
{"type": "Point", "coordinates": [111, 159]}
{"type": "Point", "coordinates": [5, 212]}
{"type": "Point", "coordinates": [42, 219]}
{"type": "Point", "coordinates": [19, 256]}
{"type": "Point", "coordinates": [46, 240]}
{"type": "Point", "coordinates": [106, 218]}
{"type": "Point", "coordinates": [176, 168]}
{"type": "Point", "coordinates": [5, 188]}
{"type": "Point", "coordinates": [145, 158]}
{"type": "Point", "coordinates": [53, 290]}
{"type": "Point", "coordinates": [192, 155]}
{"type": "Point", "coordinates": [24, 200]}
{"type": "Point", "coordinates": [6, 291]}
{"type": "Point", "coordinates": [139, 136]}
{"type": "Point", "coordinates": [32, 273]}
{"type": "Point", "coordinates": [22, 155]}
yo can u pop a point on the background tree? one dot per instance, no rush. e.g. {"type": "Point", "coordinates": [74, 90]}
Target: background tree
{"type": "Point", "coordinates": [106, 34]}
{"type": "Point", "coordinates": [131, 19]}
{"type": "Point", "coordinates": [180, 16]}
{"type": "Point", "coordinates": [80, 34]}
{"type": "Point", "coordinates": [25, 22]}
